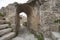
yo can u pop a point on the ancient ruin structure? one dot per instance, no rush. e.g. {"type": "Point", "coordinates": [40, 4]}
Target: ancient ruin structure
{"type": "Point", "coordinates": [41, 15]}
{"type": "Point", "coordinates": [31, 14]}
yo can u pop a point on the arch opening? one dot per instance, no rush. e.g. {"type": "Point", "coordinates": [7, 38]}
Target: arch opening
{"type": "Point", "coordinates": [23, 22]}
{"type": "Point", "coordinates": [21, 10]}
{"type": "Point", "coordinates": [23, 19]}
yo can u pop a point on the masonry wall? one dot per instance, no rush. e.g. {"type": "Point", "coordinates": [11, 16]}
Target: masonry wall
{"type": "Point", "coordinates": [10, 13]}
{"type": "Point", "coordinates": [49, 12]}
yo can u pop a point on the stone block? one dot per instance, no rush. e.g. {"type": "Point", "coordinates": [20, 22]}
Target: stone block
{"type": "Point", "coordinates": [5, 31]}
{"type": "Point", "coordinates": [4, 26]}
{"type": "Point", "coordinates": [8, 36]}
{"type": "Point", "coordinates": [55, 35]}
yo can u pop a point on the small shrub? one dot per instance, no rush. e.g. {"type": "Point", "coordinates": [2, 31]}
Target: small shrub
{"type": "Point", "coordinates": [25, 23]}
{"type": "Point", "coordinates": [57, 21]}
{"type": "Point", "coordinates": [39, 37]}
{"type": "Point", "coordinates": [1, 14]}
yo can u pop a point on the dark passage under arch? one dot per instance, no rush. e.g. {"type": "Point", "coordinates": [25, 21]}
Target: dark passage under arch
{"type": "Point", "coordinates": [32, 18]}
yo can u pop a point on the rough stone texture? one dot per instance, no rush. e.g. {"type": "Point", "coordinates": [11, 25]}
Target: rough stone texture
{"type": "Point", "coordinates": [10, 13]}
{"type": "Point", "coordinates": [25, 37]}
{"type": "Point", "coordinates": [5, 31]}
{"type": "Point", "coordinates": [49, 12]}
{"type": "Point", "coordinates": [8, 36]}
{"type": "Point", "coordinates": [42, 18]}
{"type": "Point", "coordinates": [55, 35]}
{"type": "Point", "coordinates": [4, 26]}
{"type": "Point", "coordinates": [47, 39]}
{"type": "Point", "coordinates": [24, 34]}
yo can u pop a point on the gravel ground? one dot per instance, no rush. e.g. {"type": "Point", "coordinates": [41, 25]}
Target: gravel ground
{"type": "Point", "coordinates": [25, 35]}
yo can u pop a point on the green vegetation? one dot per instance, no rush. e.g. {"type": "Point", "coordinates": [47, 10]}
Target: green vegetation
{"type": "Point", "coordinates": [38, 36]}
{"type": "Point", "coordinates": [57, 21]}
{"type": "Point", "coordinates": [1, 14]}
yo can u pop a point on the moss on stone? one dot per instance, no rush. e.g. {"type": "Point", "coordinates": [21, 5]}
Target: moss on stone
{"type": "Point", "coordinates": [57, 21]}
{"type": "Point", "coordinates": [38, 36]}
{"type": "Point", "coordinates": [1, 14]}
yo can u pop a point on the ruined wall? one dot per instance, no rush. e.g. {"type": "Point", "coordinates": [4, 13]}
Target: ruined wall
{"type": "Point", "coordinates": [49, 12]}
{"type": "Point", "coordinates": [10, 13]}
{"type": "Point", "coordinates": [2, 11]}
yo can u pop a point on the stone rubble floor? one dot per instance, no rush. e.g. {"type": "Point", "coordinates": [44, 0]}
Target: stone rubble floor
{"type": "Point", "coordinates": [47, 39]}
{"type": "Point", "coordinates": [26, 35]}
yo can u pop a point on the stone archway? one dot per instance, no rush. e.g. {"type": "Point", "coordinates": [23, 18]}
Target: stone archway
{"type": "Point", "coordinates": [22, 8]}
{"type": "Point", "coordinates": [32, 18]}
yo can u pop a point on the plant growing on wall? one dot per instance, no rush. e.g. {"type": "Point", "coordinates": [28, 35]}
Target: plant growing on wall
{"type": "Point", "coordinates": [1, 14]}
{"type": "Point", "coordinates": [57, 21]}
{"type": "Point", "coordinates": [39, 36]}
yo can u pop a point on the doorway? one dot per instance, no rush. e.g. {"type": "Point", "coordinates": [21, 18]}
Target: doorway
{"type": "Point", "coordinates": [23, 22]}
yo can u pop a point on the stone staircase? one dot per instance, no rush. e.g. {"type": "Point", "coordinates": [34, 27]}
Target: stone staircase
{"type": "Point", "coordinates": [55, 35]}
{"type": "Point", "coordinates": [25, 34]}
{"type": "Point", "coordinates": [6, 32]}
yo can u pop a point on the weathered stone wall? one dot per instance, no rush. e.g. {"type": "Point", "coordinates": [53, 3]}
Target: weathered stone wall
{"type": "Point", "coordinates": [2, 11]}
{"type": "Point", "coordinates": [49, 12]}
{"type": "Point", "coordinates": [10, 13]}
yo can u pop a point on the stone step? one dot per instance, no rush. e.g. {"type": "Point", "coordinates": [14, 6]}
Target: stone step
{"type": "Point", "coordinates": [55, 35]}
{"type": "Point", "coordinates": [47, 39]}
{"type": "Point", "coordinates": [4, 26]}
{"type": "Point", "coordinates": [2, 18]}
{"type": "Point", "coordinates": [8, 36]}
{"type": "Point", "coordinates": [2, 21]}
{"type": "Point", "coordinates": [59, 39]}
{"type": "Point", "coordinates": [5, 31]}
{"type": "Point", "coordinates": [25, 36]}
